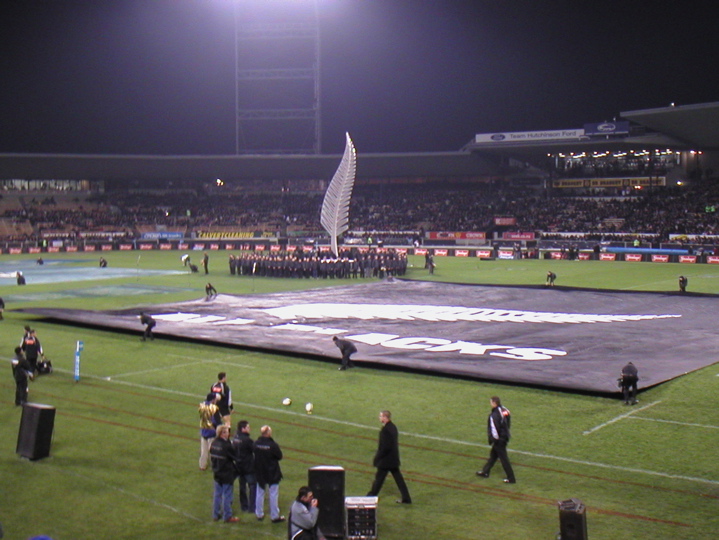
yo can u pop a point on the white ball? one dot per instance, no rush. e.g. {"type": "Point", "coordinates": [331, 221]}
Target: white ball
{"type": "Point", "coordinates": [308, 408]}
{"type": "Point", "coordinates": [287, 401]}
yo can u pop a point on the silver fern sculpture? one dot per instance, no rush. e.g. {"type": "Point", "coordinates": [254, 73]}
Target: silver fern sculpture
{"type": "Point", "coordinates": [336, 205]}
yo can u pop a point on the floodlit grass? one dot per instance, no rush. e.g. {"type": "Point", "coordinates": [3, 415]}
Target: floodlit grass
{"type": "Point", "coordinates": [125, 450]}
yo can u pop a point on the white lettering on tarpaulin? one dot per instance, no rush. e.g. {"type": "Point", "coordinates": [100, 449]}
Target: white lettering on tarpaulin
{"type": "Point", "coordinates": [439, 345]}
{"type": "Point", "coordinates": [445, 314]}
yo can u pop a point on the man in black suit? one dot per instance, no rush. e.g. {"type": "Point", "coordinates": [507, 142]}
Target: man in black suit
{"type": "Point", "coordinates": [387, 459]}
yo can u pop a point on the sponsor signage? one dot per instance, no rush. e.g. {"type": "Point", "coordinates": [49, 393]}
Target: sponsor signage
{"type": "Point", "coordinates": [33, 250]}
{"type": "Point", "coordinates": [461, 253]}
{"type": "Point", "coordinates": [633, 257]}
{"type": "Point", "coordinates": [262, 247]}
{"type": "Point", "coordinates": [183, 245]}
{"type": "Point", "coordinates": [713, 259]}
{"type": "Point", "coordinates": [643, 181]}
{"type": "Point", "coordinates": [441, 252]}
{"type": "Point", "coordinates": [505, 221]}
{"type": "Point", "coordinates": [420, 251]}
{"type": "Point", "coordinates": [162, 235]}
{"type": "Point", "coordinates": [291, 249]}
{"type": "Point", "coordinates": [456, 235]}
{"type": "Point", "coordinates": [147, 247]}
{"type": "Point", "coordinates": [660, 258]}
{"type": "Point", "coordinates": [505, 254]}
{"type": "Point", "coordinates": [518, 236]}
{"type": "Point", "coordinates": [486, 253]}
{"type": "Point", "coordinates": [556, 254]}
{"type": "Point", "coordinates": [584, 256]}
{"type": "Point", "coordinates": [51, 249]}
{"type": "Point", "coordinates": [607, 256]}
{"type": "Point", "coordinates": [106, 247]}
{"type": "Point", "coordinates": [89, 248]}
{"type": "Point", "coordinates": [687, 258]}
{"type": "Point", "coordinates": [607, 128]}
{"type": "Point", "coordinates": [125, 247]}
{"type": "Point", "coordinates": [275, 247]}
{"type": "Point", "coordinates": [166, 246]}
{"type": "Point", "coordinates": [71, 249]}
{"type": "Point", "coordinates": [214, 247]}
{"type": "Point", "coordinates": [529, 136]}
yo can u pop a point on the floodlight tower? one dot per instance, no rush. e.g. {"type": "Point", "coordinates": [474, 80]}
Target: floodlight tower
{"type": "Point", "coordinates": [277, 77]}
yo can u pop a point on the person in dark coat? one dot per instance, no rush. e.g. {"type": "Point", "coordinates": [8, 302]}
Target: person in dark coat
{"type": "Point", "coordinates": [206, 263]}
{"type": "Point", "coordinates": [347, 348]}
{"type": "Point", "coordinates": [32, 348]}
{"type": "Point", "coordinates": [149, 324]}
{"type": "Point", "coordinates": [210, 291]}
{"type": "Point", "coordinates": [22, 371]}
{"type": "Point", "coordinates": [245, 462]}
{"type": "Point", "coordinates": [551, 277]}
{"type": "Point", "coordinates": [629, 379]}
{"type": "Point", "coordinates": [225, 403]}
{"type": "Point", "coordinates": [683, 282]}
{"type": "Point", "coordinates": [223, 470]}
{"type": "Point", "coordinates": [2, 308]}
{"type": "Point", "coordinates": [498, 424]}
{"type": "Point", "coordinates": [387, 459]}
{"type": "Point", "coordinates": [268, 475]}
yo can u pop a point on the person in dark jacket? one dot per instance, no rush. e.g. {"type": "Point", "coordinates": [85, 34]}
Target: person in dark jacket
{"type": "Point", "coordinates": [149, 324]}
{"type": "Point", "coordinates": [387, 459]}
{"type": "Point", "coordinates": [347, 348]}
{"type": "Point", "coordinates": [629, 379]}
{"type": "Point", "coordinates": [223, 470]}
{"type": "Point", "coordinates": [225, 403]}
{"type": "Point", "coordinates": [31, 347]}
{"type": "Point", "coordinates": [244, 450]}
{"type": "Point", "coordinates": [683, 282]}
{"type": "Point", "coordinates": [498, 424]}
{"type": "Point", "coordinates": [2, 308]}
{"type": "Point", "coordinates": [22, 371]}
{"type": "Point", "coordinates": [268, 475]}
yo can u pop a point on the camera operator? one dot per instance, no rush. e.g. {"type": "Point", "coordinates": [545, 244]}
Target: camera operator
{"type": "Point", "coordinates": [303, 517]}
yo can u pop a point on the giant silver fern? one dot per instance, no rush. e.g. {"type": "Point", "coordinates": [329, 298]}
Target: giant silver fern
{"type": "Point", "coordinates": [336, 205]}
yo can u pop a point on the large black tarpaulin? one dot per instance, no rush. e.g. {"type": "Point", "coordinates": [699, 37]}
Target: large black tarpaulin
{"type": "Point", "coordinates": [574, 339]}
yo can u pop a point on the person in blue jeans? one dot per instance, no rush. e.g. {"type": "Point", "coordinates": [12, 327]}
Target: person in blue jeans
{"type": "Point", "coordinates": [223, 469]}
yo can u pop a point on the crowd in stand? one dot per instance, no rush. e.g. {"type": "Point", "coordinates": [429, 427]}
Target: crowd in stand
{"type": "Point", "coordinates": [431, 207]}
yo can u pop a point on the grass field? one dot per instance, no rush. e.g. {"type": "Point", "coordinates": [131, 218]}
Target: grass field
{"type": "Point", "coordinates": [125, 450]}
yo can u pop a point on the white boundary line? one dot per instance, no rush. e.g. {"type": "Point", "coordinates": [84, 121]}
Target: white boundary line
{"type": "Point", "coordinates": [164, 368]}
{"type": "Point", "coordinates": [689, 424]}
{"type": "Point", "coordinates": [284, 410]}
{"type": "Point", "coordinates": [618, 418]}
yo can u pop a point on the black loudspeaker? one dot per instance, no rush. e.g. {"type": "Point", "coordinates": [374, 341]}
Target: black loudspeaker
{"type": "Point", "coordinates": [328, 486]}
{"type": "Point", "coordinates": [572, 520]}
{"type": "Point", "coordinates": [36, 426]}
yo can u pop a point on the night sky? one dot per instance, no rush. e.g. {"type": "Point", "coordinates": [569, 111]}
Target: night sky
{"type": "Point", "coordinates": [157, 76]}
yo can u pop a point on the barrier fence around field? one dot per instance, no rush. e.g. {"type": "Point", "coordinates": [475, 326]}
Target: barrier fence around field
{"type": "Point", "coordinates": [611, 253]}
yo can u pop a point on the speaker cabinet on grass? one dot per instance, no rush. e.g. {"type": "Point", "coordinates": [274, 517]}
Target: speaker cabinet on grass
{"type": "Point", "coordinates": [327, 483]}
{"type": "Point", "coordinates": [36, 426]}
{"type": "Point", "coordinates": [572, 520]}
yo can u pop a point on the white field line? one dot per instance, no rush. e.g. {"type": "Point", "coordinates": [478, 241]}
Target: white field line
{"type": "Point", "coordinates": [618, 418]}
{"type": "Point", "coordinates": [688, 424]}
{"type": "Point", "coordinates": [163, 368]}
{"type": "Point", "coordinates": [285, 410]}
{"type": "Point", "coordinates": [218, 359]}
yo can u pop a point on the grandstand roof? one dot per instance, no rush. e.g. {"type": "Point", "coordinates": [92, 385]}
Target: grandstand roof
{"type": "Point", "coordinates": [694, 125]}
{"type": "Point", "coordinates": [148, 168]}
